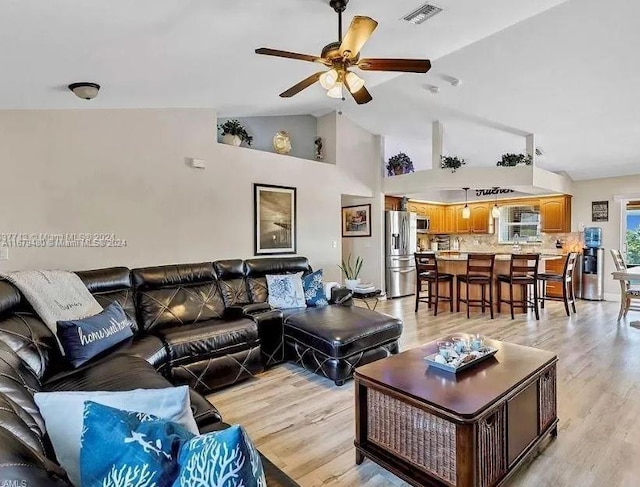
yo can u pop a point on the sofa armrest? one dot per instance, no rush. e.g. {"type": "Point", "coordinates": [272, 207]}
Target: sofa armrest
{"type": "Point", "coordinates": [271, 332]}
{"type": "Point", "coordinates": [341, 296]}
{"type": "Point", "coordinates": [20, 463]}
{"type": "Point", "coordinates": [238, 311]}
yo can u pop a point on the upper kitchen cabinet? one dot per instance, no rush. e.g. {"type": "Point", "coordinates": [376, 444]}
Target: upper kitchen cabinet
{"type": "Point", "coordinates": [479, 221]}
{"type": "Point", "coordinates": [555, 214]}
{"type": "Point", "coordinates": [437, 217]}
{"type": "Point", "coordinates": [463, 225]}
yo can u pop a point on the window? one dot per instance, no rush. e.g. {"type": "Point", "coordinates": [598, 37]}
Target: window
{"type": "Point", "coordinates": [633, 233]}
{"type": "Point", "coordinates": [521, 222]}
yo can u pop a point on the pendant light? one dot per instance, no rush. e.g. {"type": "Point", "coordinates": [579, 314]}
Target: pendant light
{"type": "Point", "coordinates": [466, 211]}
{"type": "Point", "coordinates": [495, 211]}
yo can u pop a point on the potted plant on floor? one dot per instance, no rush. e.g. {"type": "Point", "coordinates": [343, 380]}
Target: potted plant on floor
{"type": "Point", "coordinates": [351, 272]}
{"type": "Point", "coordinates": [513, 160]}
{"type": "Point", "coordinates": [233, 133]}
{"type": "Point", "coordinates": [451, 162]}
{"type": "Point", "coordinates": [399, 164]}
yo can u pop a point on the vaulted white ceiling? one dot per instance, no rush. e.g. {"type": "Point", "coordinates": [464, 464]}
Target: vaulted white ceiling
{"type": "Point", "coordinates": [566, 70]}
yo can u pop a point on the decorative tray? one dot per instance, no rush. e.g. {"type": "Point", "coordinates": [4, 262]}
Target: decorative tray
{"type": "Point", "coordinates": [462, 361]}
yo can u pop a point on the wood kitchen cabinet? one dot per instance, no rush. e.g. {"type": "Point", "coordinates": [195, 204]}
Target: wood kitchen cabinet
{"type": "Point", "coordinates": [449, 219]}
{"type": "Point", "coordinates": [554, 289]}
{"type": "Point", "coordinates": [438, 219]}
{"type": "Point", "coordinates": [463, 225]}
{"type": "Point", "coordinates": [480, 217]}
{"type": "Point", "coordinates": [555, 214]}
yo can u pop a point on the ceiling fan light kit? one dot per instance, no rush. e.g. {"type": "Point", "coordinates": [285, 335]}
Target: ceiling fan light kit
{"type": "Point", "coordinates": [339, 56]}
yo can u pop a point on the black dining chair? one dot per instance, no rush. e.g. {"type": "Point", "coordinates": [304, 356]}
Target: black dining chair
{"type": "Point", "coordinates": [427, 271]}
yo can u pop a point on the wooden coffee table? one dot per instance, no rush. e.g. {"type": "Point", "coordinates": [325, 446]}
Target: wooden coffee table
{"type": "Point", "coordinates": [435, 428]}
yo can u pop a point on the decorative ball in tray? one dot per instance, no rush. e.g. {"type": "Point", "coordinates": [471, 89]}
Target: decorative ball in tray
{"type": "Point", "coordinates": [460, 352]}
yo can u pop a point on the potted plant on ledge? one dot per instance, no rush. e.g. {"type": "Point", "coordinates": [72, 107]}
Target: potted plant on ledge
{"type": "Point", "coordinates": [399, 164]}
{"type": "Point", "coordinates": [233, 133]}
{"type": "Point", "coordinates": [451, 162]}
{"type": "Point", "coordinates": [513, 160]}
{"type": "Point", "coordinates": [351, 272]}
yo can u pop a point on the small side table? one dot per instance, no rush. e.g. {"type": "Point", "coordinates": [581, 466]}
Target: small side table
{"type": "Point", "coordinates": [370, 298]}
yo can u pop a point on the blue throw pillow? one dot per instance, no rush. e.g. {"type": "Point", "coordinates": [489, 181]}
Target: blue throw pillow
{"type": "Point", "coordinates": [84, 339]}
{"type": "Point", "coordinates": [286, 291]}
{"type": "Point", "coordinates": [224, 458]}
{"type": "Point", "coordinates": [63, 416]}
{"type": "Point", "coordinates": [314, 290]}
{"type": "Point", "coordinates": [122, 448]}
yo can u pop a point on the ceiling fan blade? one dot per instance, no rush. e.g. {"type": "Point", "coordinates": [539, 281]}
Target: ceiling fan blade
{"type": "Point", "coordinates": [303, 85]}
{"type": "Point", "coordinates": [291, 55]}
{"type": "Point", "coordinates": [362, 96]}
{"type": "Point", "coordinates": [402, 65]}
{"type": "Point", "coordinates": [358, 34]}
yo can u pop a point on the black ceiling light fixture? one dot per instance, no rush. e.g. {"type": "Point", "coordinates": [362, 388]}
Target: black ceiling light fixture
{"type": "Point", "coordinates": [85, 90]}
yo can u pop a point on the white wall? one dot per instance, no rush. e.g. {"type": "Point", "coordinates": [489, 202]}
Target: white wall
{"type": "Point", "coordinates": [359, 159]}
{"type": "Point", "coordinates": [584, 193]}
{"type": "Point", "coordinates": [124, 172]}
{"type": "Point", "coordinates": [418, 150]}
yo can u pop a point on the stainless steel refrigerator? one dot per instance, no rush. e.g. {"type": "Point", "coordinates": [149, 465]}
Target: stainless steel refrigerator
{"type": "Point", "coordinates": [401, 241]}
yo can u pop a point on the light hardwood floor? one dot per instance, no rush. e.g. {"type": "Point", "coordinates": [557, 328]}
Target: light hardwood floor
{"type": "Point", "coordinates": [305, 424]}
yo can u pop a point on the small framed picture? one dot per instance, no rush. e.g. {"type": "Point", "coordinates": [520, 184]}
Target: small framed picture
{"type": "Point", "coordinates": [599, 211]}
{"type": "Point", "coordinates": [274, 219]}
{"type": "Point", "coordinates": [356, 221]}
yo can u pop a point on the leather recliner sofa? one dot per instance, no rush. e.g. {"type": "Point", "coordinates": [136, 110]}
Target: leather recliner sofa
{"type": "Point", "coordinates": [207, 325]}
{"type": "Point", "coordinates": [30, 362]}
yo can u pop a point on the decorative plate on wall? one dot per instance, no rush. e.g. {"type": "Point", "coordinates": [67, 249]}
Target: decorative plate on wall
{"type": "Point", "coordinates": [282, 143]}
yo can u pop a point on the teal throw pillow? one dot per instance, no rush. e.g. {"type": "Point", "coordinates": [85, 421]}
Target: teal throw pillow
{"type": "Point", "coordinates": [122, 448]}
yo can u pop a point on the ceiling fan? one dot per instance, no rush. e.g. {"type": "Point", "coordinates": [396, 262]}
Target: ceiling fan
{"type": "Point", "coordinates": [339, 56]}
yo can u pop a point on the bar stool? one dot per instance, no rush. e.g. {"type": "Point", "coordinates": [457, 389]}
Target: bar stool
{"type": "Point", "coordinates": [427, 271]}
{"type": "Point", "coordinates": [479, 273]}
{"type": "Point", "coordinates": [523, 272]}
{"type": "Point", "coordinates": [566, 278]}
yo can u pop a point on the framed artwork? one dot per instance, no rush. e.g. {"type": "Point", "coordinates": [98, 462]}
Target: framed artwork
{"type": "Point", "coordinates": [274, 219]}
{"type": "Point", "coordinates": [356, 221]}
{"type": "Point", "coordinates": [599, 211]}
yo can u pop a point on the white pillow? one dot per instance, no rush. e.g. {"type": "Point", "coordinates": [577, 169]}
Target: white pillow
{"type": "Point", "coordinates": [286, 291]}
{"type": "Point", "coordinates": [63, 416]}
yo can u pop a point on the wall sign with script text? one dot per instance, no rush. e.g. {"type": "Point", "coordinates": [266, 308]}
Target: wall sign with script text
{"type": "Point", "coordinates": [600, 211]}
{"type": "Point", "coordinates": [492, 191]}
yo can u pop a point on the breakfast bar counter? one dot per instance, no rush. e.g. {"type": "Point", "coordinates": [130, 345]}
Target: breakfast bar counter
{"type": "Point", "coordinates": [456, 263]}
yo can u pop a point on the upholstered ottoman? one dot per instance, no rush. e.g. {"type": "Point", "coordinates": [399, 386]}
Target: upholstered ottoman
{"type": "Point", "coordinates": [332, 341]}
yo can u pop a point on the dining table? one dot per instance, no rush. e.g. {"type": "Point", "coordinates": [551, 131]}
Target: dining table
{"type": "Point", "coordinates": [625, 277]}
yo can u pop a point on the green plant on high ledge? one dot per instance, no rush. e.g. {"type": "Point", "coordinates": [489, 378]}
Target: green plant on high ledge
{"type": "Point", "coordinates": [351, 271]}
{"type": "Point", "coordinates": [234, 127]}
{"type": "Point", "coordinates": [451, 162]}
{"type": "Point", "coordinates": [399, 164]}
{"type": "Point", "coordinates": [513, 160]}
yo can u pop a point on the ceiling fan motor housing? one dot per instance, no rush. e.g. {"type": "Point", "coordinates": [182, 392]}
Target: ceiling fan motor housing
{"type": "Point", "coordinates": [339, 5]}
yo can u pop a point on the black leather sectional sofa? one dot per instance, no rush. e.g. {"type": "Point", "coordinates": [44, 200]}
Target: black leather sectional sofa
{"type": "Point", "coordinates": [206, 325]}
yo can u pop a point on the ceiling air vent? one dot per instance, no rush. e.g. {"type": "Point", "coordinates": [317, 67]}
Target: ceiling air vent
{"type": "Point", "coordinates": [422, 14]}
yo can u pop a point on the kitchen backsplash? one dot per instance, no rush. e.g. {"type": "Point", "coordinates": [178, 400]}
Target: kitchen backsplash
{"type": "Point", "coordinates": [489, 243]}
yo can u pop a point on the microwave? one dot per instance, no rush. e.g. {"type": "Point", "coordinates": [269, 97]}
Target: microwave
{"type": "Point", "coordinates": [423, 224]}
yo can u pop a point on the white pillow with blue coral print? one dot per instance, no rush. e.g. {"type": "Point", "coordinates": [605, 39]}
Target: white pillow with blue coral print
{"type": "Point", "coordinates": [286, 291]}
{"type": "Point", "coordinates": [224, 458]}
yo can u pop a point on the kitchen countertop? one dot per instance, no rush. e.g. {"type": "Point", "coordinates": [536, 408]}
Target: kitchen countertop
{"type": "Point", "coordinates": [503, 256]}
